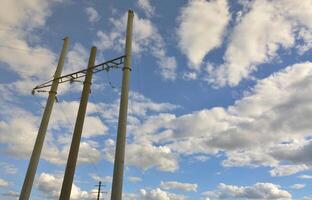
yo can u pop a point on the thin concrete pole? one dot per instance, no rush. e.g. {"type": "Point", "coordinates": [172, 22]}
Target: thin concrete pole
{"type": "Point", "coordinates": [33, 163]}
{"type": "Point", "coordinates": [74, 147]}
{"type": "Point", "coordinates": [122, 121]}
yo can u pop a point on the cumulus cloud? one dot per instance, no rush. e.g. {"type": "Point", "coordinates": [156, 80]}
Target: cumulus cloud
{"type": "Point", "coordinates": [64, 116]}
{"type": "Point", "coordinates": [258, 130]}
{"type": "Point", "coordinates": [140, 107]}
{"type": "Point", "coordinates": [146, 39]}
{"type": "Point", "coordinates": [57, 142]}
{"type": "Point", "coordinates": [189, 76]}
{"type": "Point", "coordinates": [8, 168]}
{"type": "Point", "coordinates": [285, 170]}
{"type": "Point", "coordinates": [266, 28]}
{"type": "Point", "coordinates": [304, 176]}
{"type": "Point", "coordinates": [201, 28]}
{"type": "Point", "coordinates": [3, 183]}
{"type": "Point", "coordinates": [201, 158]}
{"type": "Point", "coordinates": [62, 122]}
{"type": "Point", "coordinates": [253, 132]}
{"type": "Point", "coordinates": [158, 194]}
{"type": "Point", "coordinates": [147, 7]}
{"type": "Point", "coordinates": [106, 179]}
{"type": "Point", "coordinates": [10, 195]}
{"type": "Point", "coordinates": [296, 154]}
{"type": "Point", "coordinates": [297, 186]}
{"type": "Point", "coordinates": [19, 20]}
{"type": "Point", "coordinates": [174, 185]}
{"type": "Point", "coordinates": [256, 191]}
{"type": "Point", "coordinates": [77, 58]}
{"type": "Point", "coordinates": [50, 186]}
{"type": "Point", "coordinates": [305, 35]}
{"type": "Point", "coordinates": [145, 156]}
{"type": "Point", "coordinates": [24, 128]}
{"type": "Point", "coordinates": [93, 15]}
{"type": "Point", "coordinates": [134, 179]}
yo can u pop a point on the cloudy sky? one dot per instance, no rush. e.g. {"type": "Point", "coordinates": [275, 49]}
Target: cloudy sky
{"type": "Point", "coordinates": [220, 103]}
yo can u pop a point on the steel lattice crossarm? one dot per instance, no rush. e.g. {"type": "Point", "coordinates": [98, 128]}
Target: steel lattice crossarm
{"type": "Point", "coordinates": [114, 63]}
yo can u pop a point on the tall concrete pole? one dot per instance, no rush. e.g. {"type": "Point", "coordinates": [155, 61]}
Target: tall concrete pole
{"type": "Point", "coordinates": [33, 163]}
{"type": "Point", "coordinates": [122, 121]}
{"type": "Point", "coordinates": [74, 147]}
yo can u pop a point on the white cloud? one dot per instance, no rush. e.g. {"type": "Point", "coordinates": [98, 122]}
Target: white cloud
{"type": "Point", "coordinates": [201, 158]}
{"type": "Point", "coordinates": [285, 170]}
{"type": "Point", "coordinates": [77, 58]}
{"type": "Point", "coordinates": [174, 185]}
{"type": "Point", "coordinates": [260, 129]}
{"type": "Point", "coordinates": [57, 141]}
{"type": "Point", "coordinates": [29, 14]}
{"type": "Point", "coordinates": [257, 191]}
{"type": "Point", "coordinates": [93, 15]}
{"type": "Point", "coordinates": [201, 28]}
{"type": "Point", "coordinates": [158, 194]}
{"type": "Point", "coordinates": [64, 116]}
{"type": "Point", "coordinates": [36, 63]}
{"type": "Point", "coordinates": [134, 179]}
{"type": "Point", "coordinates": [146, 6]}
{"type": "Point", "coordinates": [266, 28]}
{"type": "Point", "coordinates": [145, 156]}
{"type": "Point", "coordinates": [50, 186]}
{"type": "Point", "coordinates": [304, 176]}
{"type": "Point", "coordinates": [129, 196]}
{"type": "Point", "coordinates": [10, 195]}
{"type": "Point", "coordinates": [139, 106]}
{"type": "Point", "coordinates": [189, 76]}
{"type": "Point", "coordinates": [306, 36]}
{"type": "Point", "coordinates": [8, 168]}
{"type": "Point", "coordinates": [297, 186]}
{"type": "Point", "coordinates": [20, 19]}
{"type": "Point", "coordinates": [146, 39]}
{"type": "Point", "coordinates": [3, 183]}
{"type": "Point", "coordinates": [106, 179]}
{"type": "Point", "coordinates": [25, 130]}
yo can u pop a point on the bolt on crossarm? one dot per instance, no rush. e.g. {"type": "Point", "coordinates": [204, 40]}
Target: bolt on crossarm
{"type": "Point", "coordinates": [35, 156]}
{"type": "Point", "coordinates": [122, 121]}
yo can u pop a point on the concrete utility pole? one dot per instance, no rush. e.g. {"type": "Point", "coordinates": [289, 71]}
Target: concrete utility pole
{"type": "Point", "coordinates": [33, 163]}
{"type": "Point", "coordinates": [74, 147]}
{"type": "Point", "coordinates": [122, 121]}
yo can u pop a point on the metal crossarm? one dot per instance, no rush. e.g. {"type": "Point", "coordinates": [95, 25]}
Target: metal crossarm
{"type": "Point", "coordinates": [114, 63]}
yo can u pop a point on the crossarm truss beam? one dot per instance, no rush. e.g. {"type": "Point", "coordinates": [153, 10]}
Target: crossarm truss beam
{"type": "Point", "coordinates": [114, 63]}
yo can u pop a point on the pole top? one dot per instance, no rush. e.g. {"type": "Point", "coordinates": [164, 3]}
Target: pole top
{"type": "Point", "coordinates": [93, 49]}
{"type": "Point", "coordinates": [130, 11]}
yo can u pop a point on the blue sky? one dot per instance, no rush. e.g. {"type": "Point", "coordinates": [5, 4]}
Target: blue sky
{"type": "Point", "coordinates": [220, 101]}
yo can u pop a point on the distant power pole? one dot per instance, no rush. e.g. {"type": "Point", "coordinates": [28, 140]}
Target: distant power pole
{"type": "Point", "coordinates": [122, 121]}
{"type": "Point", "coordinates": [74, 147]}
{"type": "Point", "coordinates": [99, 191]}
{"type": "Point", "coordinates": [34, 160]}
